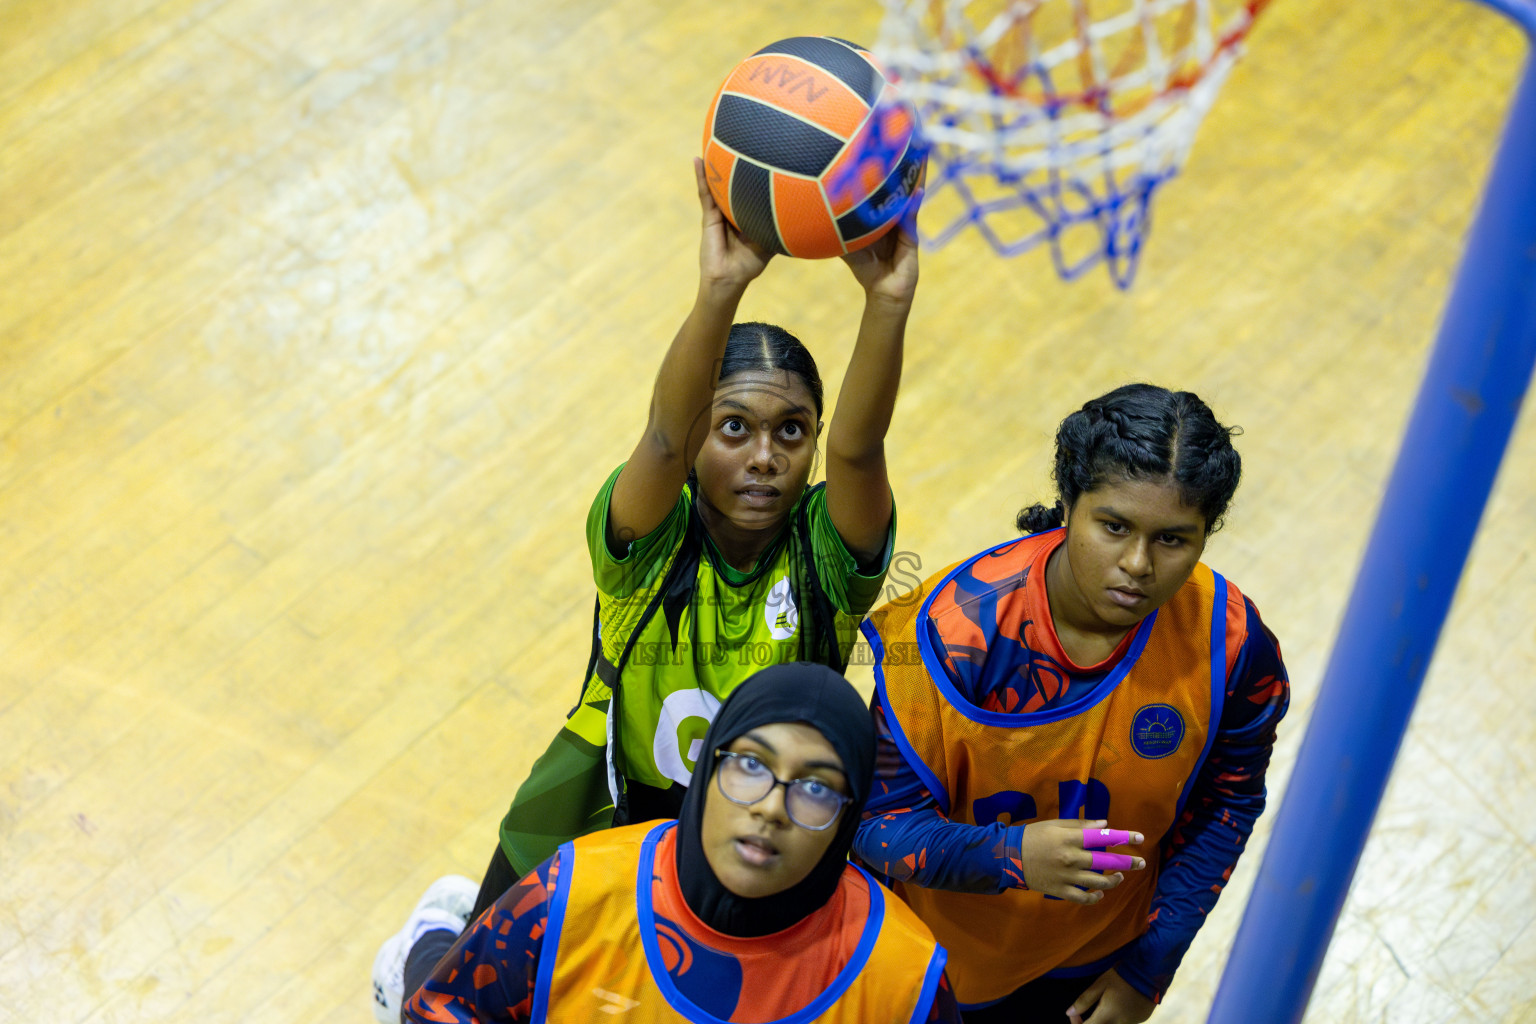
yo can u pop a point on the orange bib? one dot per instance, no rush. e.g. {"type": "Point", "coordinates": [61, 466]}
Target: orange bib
{"type": "Point", "coordinates": [1128, 751]}
{"type": "Point", "coordinates": [602, 963]}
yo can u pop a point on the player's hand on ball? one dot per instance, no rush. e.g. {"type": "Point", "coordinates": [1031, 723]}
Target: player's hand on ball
{"type": "Point", "coordinates": [725, 257]}
{"type": "Point", "coordinates": [1110, 1000]}
{"type": "Point", "coordinates": [887, 267]}
{"type": "Point", "coordinates": [1059, 858]}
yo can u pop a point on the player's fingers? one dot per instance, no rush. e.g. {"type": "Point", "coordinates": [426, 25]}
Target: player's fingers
{"type": "Point", "coordinates": [1079, 894]}
{"type": "Point", "coordinates": [1087, 1001]}
{"type": "Point", "coordinates": [756, 250]}
{"type": "Point", "coordinates": [1099, 838]}
{"type": "Point", "coordinates": [1071, 824]}
{"type": "Point", "coordinates": [1100, 861]}
{"type": "Point", "coordinates": [1092, 880]}
{"type": "Point", "coordinates": [881, 250]}
{"type": "Point", "coordinates": [706, 197]}
{"type": "Point", "coordinates": [909, 216]}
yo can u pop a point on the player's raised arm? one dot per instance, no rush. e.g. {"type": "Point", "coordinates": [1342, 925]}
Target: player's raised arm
{"type": "Point", "coordinates": [858, 490]}
{"type": "Point", "coordinates": [679, 416]}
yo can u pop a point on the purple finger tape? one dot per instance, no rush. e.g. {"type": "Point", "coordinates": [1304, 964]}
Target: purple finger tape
{"type": "Point", "coordinates": [1111, 861]}
{"type": "Point", "coordinates": [1102, 837]}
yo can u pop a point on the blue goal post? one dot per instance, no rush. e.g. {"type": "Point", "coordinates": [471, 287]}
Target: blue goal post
{"type": "Point", "coordinates": [1466, 408]}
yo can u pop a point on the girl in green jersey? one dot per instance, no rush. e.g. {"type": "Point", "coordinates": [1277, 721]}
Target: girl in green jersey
{"type": "Point", "coordinates": [712, 557]}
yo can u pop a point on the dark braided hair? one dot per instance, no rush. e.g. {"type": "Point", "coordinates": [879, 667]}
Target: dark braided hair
{"type": "Point", "coordinates": [1143, 432]}
{"type": "Point", "coordinates": [756, 346]}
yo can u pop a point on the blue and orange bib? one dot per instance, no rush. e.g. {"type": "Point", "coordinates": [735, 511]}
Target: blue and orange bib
{"type": "Point", "coordinates": [603, 961]}
{"type": "Point", "coordinates": [1128, 751]}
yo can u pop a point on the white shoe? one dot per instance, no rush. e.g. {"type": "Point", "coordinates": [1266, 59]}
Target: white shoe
{"type": "Point", "coordinates": [445, 905]}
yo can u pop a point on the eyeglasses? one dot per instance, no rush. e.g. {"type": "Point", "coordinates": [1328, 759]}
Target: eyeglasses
{"type": "Point", "coordinates": [744, 779]}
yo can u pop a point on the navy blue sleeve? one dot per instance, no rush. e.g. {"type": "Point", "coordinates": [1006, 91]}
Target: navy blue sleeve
{"type": "Point", "coordinates": [489, 973]}
{"type": "Point", "coordinates": [944, 1009]}
{"type": "Point", "coordinates": [906, 838]}
{"type": "Point", "coordinates": [1204, 845]}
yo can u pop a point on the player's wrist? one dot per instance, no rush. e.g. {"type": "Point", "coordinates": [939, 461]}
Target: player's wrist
{"type": "Point", "coordinates": [1138, 979]}
{"type": "Point", "coordinates": [720, 291]}
{"type": "Point", "coordinates": [1013, 849]}
{"type": "Point", "coordinates": [885, 315]}
{"type": "Point", "coordinates": [887, 299]}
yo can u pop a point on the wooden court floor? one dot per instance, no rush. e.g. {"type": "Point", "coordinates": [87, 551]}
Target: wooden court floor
{"type": "Point", "coordinates": [320, 325]}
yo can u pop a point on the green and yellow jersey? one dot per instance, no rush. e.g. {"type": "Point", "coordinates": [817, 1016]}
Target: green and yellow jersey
{"type": "Point", "coordinates": [678, 628]}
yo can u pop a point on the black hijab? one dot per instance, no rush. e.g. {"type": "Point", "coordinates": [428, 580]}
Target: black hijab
{"type": "Point", "coordinates": [796, 692]}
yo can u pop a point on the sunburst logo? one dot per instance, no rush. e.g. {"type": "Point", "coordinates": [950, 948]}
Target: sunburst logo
{"type": "Point", "coordinates": [1157, 730]}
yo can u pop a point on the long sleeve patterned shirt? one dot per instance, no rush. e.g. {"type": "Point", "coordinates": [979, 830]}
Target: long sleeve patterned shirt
{"type": "Point", "coordinates": [907, 838]}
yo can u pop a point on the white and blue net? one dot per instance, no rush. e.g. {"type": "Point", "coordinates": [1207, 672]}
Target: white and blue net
{"type": "Point", "coordinates": [1054, 122]}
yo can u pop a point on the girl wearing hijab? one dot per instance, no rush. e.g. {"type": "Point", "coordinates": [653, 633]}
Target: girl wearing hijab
{"type": "Point", "coordinates": [745, 909]}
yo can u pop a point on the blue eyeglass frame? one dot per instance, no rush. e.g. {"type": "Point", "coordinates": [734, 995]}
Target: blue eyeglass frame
{"type": "Point", "coordinates": [843, 801]}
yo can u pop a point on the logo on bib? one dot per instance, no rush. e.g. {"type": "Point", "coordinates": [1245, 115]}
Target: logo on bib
{"type": "Point", "coordinates": [782, 615]}
{"type": "Point", "coordinates": [685, 717]}
{"type": "Point", "coordinates": [1156, 731]}
{"type": "Point", "coordinates": [613, 1002]}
